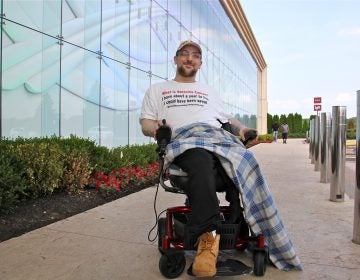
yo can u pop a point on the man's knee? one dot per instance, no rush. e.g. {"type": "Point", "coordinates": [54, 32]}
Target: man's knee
{"type": "Point", "coordinates": [200, 161]}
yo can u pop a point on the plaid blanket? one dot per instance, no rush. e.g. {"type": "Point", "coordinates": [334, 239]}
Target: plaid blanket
{"type": "Point", "coordinates": [240, 164]}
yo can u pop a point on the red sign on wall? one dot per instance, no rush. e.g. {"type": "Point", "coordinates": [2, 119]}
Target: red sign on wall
{"type": "Point", "coordinates": [317, 100]}
{"type": "Point", "coordinates": [317, 107]}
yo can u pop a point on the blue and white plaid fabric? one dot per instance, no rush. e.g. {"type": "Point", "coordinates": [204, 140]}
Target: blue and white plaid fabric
{"type": "Point", "coordinates": [240, 164]}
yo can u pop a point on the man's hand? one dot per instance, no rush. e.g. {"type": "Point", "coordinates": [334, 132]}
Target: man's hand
{"type": "Point", "coordinates": [149, 127]}
{"type": "Point", "coordinates": [248, 134]}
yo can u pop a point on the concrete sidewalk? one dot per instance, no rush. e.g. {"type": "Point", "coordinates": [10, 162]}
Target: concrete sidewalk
{"type": "Point", "coordinates": [111, 241]}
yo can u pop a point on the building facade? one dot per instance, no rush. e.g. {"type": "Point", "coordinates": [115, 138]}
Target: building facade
{"type": "Point", "coordinates": [82, 67]}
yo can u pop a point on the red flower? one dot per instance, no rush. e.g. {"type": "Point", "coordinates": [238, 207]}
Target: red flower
{"type": "Point", "coordinates": [126, 175]}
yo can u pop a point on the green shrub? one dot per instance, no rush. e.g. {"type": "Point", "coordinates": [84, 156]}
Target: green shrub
{"type": "Point", "coordinates": [76, 171]}
{"type": "Point", "coordinates": [77, 162]}
{"type": "Point", "coordinates": [38, 166]}
{"type": "Point", "coordinates": [265, 137]}
{"type": "Point", "coordinates": [296, 135]}
{"type": "Point", "coordinates": [136, 155]}
{"type": "Point", "coordinates": [351, 134]}
{"type": "Point", "coordinates": [104, 159]}
{"type": "Point", "coordinates": [41, 166]}
{"type": "Point", "coordinates": [12, 184]}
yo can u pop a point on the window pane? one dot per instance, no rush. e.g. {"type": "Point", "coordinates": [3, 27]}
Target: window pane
{"type": "Point", "coordinates": [80, 96]}
{"type": "Point", "coordinates": [115, 30]}
{"type": "Point", "coordinates": [22, 89]}
{"type": "Point", "coordinates": [50, 90]}
{"type": "Point", "coordinates": [174, 9]}
{"type": "Point", "coordinates": [44, 16]}
{"type": "Point", "coordinates": [140, 11]}
{"type": "Point", "coordinates": [159, 41]}
{"type": "Point", "coordinates": [82, 25]}
{"type": "Point", "coordinates": [140, 82]}
{"type": "Point", "coordinates": [174, 28]}
{"type": "Point", "coordinates": [185, 12]}
{"type": "Point", "coordinates": [114, 104]}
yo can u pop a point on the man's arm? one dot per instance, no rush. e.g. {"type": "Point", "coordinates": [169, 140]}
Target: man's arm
{"type": "Point", "coordinates": [149, 127]}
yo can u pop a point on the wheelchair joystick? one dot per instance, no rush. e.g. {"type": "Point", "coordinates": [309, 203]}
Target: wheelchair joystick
{"type": "Point", "coordinates": [163, 137]}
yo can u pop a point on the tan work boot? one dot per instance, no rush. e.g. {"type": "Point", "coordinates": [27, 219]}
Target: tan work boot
{"type": "Point", "coordinates": [207, 251]}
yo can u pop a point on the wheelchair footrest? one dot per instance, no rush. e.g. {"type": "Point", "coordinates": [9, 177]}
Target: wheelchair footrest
{"type": "Point", "coordinates": [228, 234]}
{"type": "Point", "coordinates": [229, 267]}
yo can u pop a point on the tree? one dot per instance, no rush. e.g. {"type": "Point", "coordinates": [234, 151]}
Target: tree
{"type": "Point", "coordinates": [269, 122]}
{"type": "Point", "coordinates": [291, 122]}
{"type": "Point", "coordinates": [298, 123]}
{"type": "Point", "coordinates": [351, 123]}
{"type": "Point", "coordinates": [283, 118]}
{"type": "Point", "coordinates": [305, 126]}
{"type": "Point", "coordinates": [276, 118]}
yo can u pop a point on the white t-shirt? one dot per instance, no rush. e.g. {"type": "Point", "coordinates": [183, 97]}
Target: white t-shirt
{"type": "Point", "coordinates": [182, 104]}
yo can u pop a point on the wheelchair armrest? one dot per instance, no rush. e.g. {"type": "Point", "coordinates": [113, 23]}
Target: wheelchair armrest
{"type": "Point", "coordinates": [176, 177]}
{"type": "Point", "coordinates": [175, 170]}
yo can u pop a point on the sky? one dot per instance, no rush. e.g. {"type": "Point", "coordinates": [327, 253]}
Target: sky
{"type": "Point", "coordinates": [312, 49]}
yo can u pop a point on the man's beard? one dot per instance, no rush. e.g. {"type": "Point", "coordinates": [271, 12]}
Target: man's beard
{"type": "Point", "coordinates": [185, 73]}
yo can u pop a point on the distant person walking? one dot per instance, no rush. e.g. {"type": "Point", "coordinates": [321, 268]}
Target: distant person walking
{"type": "Point", "coordinates": [275, 131]}
{"type": "Point", "coordinates": [285, 131]}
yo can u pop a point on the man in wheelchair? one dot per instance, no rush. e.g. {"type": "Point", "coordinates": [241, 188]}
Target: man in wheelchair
{"type": "Point", "coordinates": [202, 148]}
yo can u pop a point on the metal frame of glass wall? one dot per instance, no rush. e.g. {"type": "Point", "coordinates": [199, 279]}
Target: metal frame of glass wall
{"type": "Point", "coordinates": [82, 67]}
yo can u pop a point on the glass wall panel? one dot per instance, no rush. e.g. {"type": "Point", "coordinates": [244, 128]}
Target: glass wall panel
{"type": "Point", "coordinates": [49, 77]}
{"type": "Point", "coordinates": [72, 91]}
{"type": "Point", "coordinates": [212, 27]}
{"type": "Point", "coordinates": [114, 105]}
{"type": "Point", "coordinates": [203, 30]}
{"type": "Point", "coordinates": [173, 42]}
{"type": "Point", "coordinates": [82, 25]}
{"type": "Point", "coordinates": [185, 21]}
{"type": "Point", "coordinates": [139, 82]}
{"type": "Point", "coordinates": [185, 34]}
{"type": "Point", "coordinates": [140, 11]}
{"type": "Point", "coordinates": [196, 16]}
{"type": "Point", "coordinates": [174, 9]}
{"type": "Point", "coordinates": [159, 44]}
{"type": "Point", "coordinates": [42, 16]}
{"type": "Point", "coordinates": [185, 16]}
{"type": "Point", "coordinates": [22, 65]}
{"type": "Point", "coordinates": [92, 121]}
{"type": "Point", "coordinates": [113, 128]}
{"type": "Point", "coordinates": [50, 74]}
{"type": "Point", "coordinates": [80, 93]}
{"type": "Point", "coordinates": [96, 22]}
{"type": "Point", "coordinates": [115, 31]}
{"type": "Point", "coordinates": [162, 3]}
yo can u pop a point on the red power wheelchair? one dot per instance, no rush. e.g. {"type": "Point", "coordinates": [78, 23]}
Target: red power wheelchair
{"type": "Point", "coordinates": [174, 237]}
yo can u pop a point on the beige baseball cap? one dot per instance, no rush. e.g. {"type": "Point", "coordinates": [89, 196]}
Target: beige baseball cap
{"type": "Point", "coordinates": [189, 43]}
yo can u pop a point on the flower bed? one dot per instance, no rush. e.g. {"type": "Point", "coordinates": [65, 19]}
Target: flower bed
{"type": "Point", "coordinates": [117, 179]}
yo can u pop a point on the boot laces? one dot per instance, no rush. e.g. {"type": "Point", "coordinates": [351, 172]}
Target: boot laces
{"type": "Point", "coordinates": [205, 244]}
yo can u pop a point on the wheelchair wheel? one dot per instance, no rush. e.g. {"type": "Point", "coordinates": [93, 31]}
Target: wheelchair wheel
{"type": "Point", "coordinates": [172, 264]}
{"type": "Point", "coordinates": [260, 258]}
{"type": "Point", "coordinates": [162, 230]}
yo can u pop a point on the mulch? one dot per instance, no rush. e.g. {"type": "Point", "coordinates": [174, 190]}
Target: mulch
{"type": "Point", "coordinates": [32, 214]}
